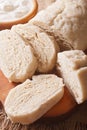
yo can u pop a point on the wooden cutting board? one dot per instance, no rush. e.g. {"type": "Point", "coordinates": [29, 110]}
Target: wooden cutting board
{"type": "Point", "coordinates": [66, 104]}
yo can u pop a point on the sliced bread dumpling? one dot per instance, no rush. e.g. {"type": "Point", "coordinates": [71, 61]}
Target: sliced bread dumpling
{"type": "Point", "coordinates": [17, 60]}
{"type": "Point", "coordinates": [44, 45]}
{"type": "Point", "coordinates": [32, 99]}
{"type": "Point", "coordinates": [73, 68]}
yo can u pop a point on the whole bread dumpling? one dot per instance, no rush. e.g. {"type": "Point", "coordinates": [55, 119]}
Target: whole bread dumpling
{"type": "Point", "coordinates": [48, 14]}
{"type": "Point", "coordinates": [30, 100]}
{"type": "Point", "coordinates": [72, 23]}
{"type": "Point", "coordinates": [43, 44]}
{"type": "Point", "coordinates": [68, 18]}
{"type": "Point", "coordinates": [17, 60]}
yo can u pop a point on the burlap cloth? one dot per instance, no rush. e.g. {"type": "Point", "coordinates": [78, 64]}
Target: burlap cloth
{"type": "Point", "coordinates": [77, 120]}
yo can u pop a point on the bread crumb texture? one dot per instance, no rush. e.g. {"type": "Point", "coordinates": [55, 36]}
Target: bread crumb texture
{"type": "Point", "coordinates": [73, 68]}
{"type": "Point", "coordinates": [17, 60]}
{"type": "Point", "coordinates": [30, 100]}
